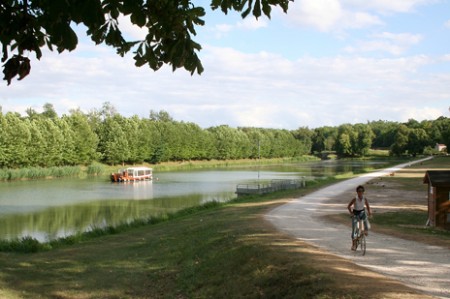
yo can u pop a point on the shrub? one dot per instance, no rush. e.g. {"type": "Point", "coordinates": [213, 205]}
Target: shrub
{"type": "Point", "coordinates": [95, 169]}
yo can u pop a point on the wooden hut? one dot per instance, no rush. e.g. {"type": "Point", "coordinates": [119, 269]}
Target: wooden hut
{"type": "Point", "coordinates": [438, 197]}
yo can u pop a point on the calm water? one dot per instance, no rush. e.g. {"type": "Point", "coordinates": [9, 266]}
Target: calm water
{"type": "Point", "coordinates": [48, 209]}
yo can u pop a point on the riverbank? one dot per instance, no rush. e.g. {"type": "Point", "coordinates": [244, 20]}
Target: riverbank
{"type": "Point", "coordinates": [227, 251]}
{"type": "Point", "coordinates": [104, 170]}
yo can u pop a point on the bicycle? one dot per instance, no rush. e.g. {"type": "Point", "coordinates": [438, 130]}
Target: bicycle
{"type": "Point", "coordinates": [360, 236]}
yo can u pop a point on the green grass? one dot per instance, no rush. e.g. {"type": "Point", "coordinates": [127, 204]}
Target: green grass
{"type": "Point", "coordinates": [439, 162]}
{"type": "Point", "coordinates": [379, 152]}
{"type": "Point", "coordinates": [39, 172]}
{"type": "Point", "coordinates": [401, 219]}
{"type": "Point", "coordinates": [409, 222]}
{"type": "Point", "coordinates": [95, 169]}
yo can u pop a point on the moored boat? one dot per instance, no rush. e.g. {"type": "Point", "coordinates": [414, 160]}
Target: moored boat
{"type": "Point", "coordinates": [132, 174]}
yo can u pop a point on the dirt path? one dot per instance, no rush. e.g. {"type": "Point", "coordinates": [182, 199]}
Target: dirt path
{"type": "Point", "coordinates": [417, 265]}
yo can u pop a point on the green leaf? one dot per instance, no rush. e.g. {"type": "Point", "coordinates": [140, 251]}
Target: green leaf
{"type": "Point", "coordinates": [267, 9]}
{"type": "Point", "coordinates": [246, 12]}
{"type": "Point", "coordinates": [92, 13]}
{"type": "Point", "coordinates": [38, 53]}
{"type": "Point", "coordinates": [72, 39]}
{"type": "Point", "coordinates": [138, 18]}
{"type": "Point", "coordinates": [257, 9]}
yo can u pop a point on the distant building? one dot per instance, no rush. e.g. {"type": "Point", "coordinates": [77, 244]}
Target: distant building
{"type": "Point", "coordinates": [440, 147]}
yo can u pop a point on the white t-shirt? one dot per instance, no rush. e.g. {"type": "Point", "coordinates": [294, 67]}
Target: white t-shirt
{"type": "Point", "coordinates": [359, 203]}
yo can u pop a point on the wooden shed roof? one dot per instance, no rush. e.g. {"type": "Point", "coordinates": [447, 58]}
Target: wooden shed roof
{"type": "Point", "coordinates": [437, 178]}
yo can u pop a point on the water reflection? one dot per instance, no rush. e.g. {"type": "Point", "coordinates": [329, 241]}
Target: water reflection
{"type": "Point", "coordinates": [49, 209]}
{"type": "Point", "coordinates": [136, 190]}
{"type": "Point", "coordinates": [56, 222]}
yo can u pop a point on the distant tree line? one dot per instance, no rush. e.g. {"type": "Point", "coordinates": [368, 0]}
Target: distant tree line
{"type": "Point", "coordinates": [46, 139]}
{"type": "Point", "coordinates": [411, 138]}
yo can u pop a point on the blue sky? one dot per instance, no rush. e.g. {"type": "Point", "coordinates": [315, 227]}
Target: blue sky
{"type": "Point", "coordinates": [324, 63]}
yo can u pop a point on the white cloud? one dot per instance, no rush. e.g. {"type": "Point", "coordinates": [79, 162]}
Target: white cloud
{"type": "Point", "coordinates": [395, 44]}
{"type": "Point", "coordinates": [252, 23]}
{"type": "Point", "coordinates": [223, 28]}
{"type": "Point", "coordinates": [314, 91]}
{"type": "Point", "coordinates": [387, 6]}
{"type": "Point", "coordinates": [341, 15]}
{"type": "Point", "coordinates": [247, 24]}
{"type": "Point", "coordinates": [401, 38]}
{"type": "Point", "coordinates": [262, 89]}
{"type": "Point", "coordinates": [130, 30]}
{"type": "Point", "coordinates": [320, 14]}
{"type": "Point", "coordinates": [330, 16]}
{"type": "Point", "coordinates": [422, 113]}
{"type": "Point", "coordinates": [447, 24]}
{"type": "Point", "coordinates": [358, 19]}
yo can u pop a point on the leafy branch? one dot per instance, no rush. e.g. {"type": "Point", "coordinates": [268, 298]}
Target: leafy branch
{"type": "Point", "coordinates": [26, 26]}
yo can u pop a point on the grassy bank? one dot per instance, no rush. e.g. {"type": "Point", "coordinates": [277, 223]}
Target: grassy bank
{"type": "Point", "coordinates": [33, 173]}
{"type": "Point", "coordinates": [225, 251]}
{"type": "Point", "coordinates": [99, 169]}
{"type": "Point", "coordinates": [187, 165]}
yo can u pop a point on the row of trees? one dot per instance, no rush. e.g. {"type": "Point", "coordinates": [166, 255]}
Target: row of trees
{"type": "Point", "coordinates": [410, 138]}
{"type": "Point", "coordinates": [45, 139]}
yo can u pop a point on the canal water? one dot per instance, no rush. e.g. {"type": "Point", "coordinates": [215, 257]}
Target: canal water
{"type": "Point", "coordinates": [50, 209]}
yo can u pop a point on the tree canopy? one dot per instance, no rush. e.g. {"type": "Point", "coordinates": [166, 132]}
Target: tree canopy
{"type": "Point", "coordinates": [26, 26]}
{"type": "Point", "coordinates": [104, 135]}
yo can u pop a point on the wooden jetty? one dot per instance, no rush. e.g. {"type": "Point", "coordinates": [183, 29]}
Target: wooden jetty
{"type": "Point", "coordinates": [272, 186]}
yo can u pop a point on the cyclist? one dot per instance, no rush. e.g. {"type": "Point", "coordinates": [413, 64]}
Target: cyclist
{"type": "Point", "coordinates": [359, 212]}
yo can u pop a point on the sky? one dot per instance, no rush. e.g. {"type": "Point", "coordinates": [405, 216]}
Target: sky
{"type": "Point", "coordinates": [323, 63]}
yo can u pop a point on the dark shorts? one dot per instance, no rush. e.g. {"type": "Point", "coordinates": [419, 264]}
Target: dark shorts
{"type": "Point", "coordinates": [359, 214]}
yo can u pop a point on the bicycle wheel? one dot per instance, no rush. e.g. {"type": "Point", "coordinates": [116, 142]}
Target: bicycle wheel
{"type": "Point", "coordinates": [362, 242]}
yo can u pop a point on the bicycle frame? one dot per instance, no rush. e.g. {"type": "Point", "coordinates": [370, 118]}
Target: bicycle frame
{"type": "Point", "coordinates": [360, 236]}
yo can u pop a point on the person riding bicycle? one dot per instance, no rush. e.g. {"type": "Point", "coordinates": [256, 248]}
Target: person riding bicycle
{"type": "Point", "coordinates": [359, 212]}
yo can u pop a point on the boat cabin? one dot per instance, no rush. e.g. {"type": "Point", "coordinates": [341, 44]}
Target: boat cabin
{"type": "Point", "coordinates": [438, 197]}
{"type": "Point", "coordinates": [132, 174]}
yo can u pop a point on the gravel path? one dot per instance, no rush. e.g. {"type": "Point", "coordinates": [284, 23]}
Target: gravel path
{"type": "Point", "coordinates": [423, 267]}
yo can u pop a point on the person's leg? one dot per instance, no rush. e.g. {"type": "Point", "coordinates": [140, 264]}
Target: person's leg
{"type": "Point", "coordinates": [366, 224]}
{"type": "Point", "coordinates": [354, 223]}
